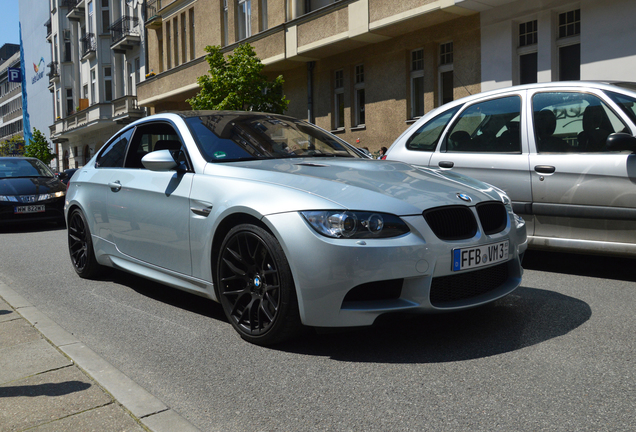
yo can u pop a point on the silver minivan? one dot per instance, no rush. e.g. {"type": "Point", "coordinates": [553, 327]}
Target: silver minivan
{"type": "Point", "coordinates": [562, 151]}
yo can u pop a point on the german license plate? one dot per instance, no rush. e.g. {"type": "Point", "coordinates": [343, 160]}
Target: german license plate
{"type": "Point", "coordinates": [479, 256]}
{"type": "Point", "coordinates": [29, 209]}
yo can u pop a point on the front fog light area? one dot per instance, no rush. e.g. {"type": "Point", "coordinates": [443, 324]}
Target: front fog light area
{"type": "Point", "coordinates": [355, 224]}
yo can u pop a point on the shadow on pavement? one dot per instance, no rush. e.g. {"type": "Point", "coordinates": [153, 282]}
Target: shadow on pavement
{"type": "Point", "coordinates": [49, 389]}
{"type": "Point", "coordinates": [606, 267]}
{"type": "Point", "coordinates": [524, 318]}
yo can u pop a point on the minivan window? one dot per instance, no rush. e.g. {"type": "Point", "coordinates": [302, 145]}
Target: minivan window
{"type": "Point", "coordinates": [427, 136]}
{"type": "Point", "coordinates": [572, 122]}
{"type": "Point", "coordinates": [492, 126]}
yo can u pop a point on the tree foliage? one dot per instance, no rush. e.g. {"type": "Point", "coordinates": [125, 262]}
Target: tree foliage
{"type": "Point", "coordinates": [12, 147]}
{"type": "Point", "coordinates": [39, 147]}
{"type": "Point", "coordinates": [235, 82]}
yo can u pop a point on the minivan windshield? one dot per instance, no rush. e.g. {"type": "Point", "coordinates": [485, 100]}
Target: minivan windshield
{"type": "Point", "coordinates": [226, 137]}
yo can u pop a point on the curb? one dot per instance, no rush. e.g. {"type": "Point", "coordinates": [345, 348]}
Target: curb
{"type": "Point", "coordinates": [146, 408]}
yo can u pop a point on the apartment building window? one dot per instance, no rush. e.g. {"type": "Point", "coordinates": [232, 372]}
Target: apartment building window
{"type": "Point", "coordinates": [90, 17]}
{"type": "Point", "coordinates": [93, 86]}
{"type": "Point", "coordinates": [417, 83]}
{"type": "Point", "coordinates": [338, 116]}
{"type": "Point", "coordinates": [55, 58]}
{"type": "Point", "coordinates": [129, 90]}
{"type": "Point", "coordinates": [105, 16]}
{"type": "Point", "coordinates": [160, 45]}
{"type": "Point", "coordinates": [192, 52]}
{"type": "Point", "coordinates": [108, 84]}
{"type": "Point", "coordinates": [68, 51]}
{"type": "Point", "coordinates": [527, 51]}
{"type": "Point", "coordinates": [244, 18]}
{"type": "Point", "coordinates": [263, 13]}
{"type": "Point", "coordinates": [85, 91]}
{"type": "Point", "coordinates": [569, 45]}
{"type": "Point", "coordinates": [184, 38]}
{"type": "Point", "coordinates": [168, 45]}
{"type": "Point", "coordinates": [359, 95]}
{"type": "Point", "coordinates": [225, 23]}
{"type": "Point", "coordinates": [175, 28]}
{"type": "Point", "coordinates": [137, 74]}
{"type": "Point", "coordinates": [446, 85]}
{"type": "Point", "coordinates": [58, 109]}
{"type": "Point", "coordinates": [70, 107]}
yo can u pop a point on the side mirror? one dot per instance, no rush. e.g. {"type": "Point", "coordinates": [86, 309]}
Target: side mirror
{"type": "Point", "coordinates": [160, 160]}
{"type": "Point", "coordinates": [620, 141]}
{"type": "Point", "coordinates": [62, 175]}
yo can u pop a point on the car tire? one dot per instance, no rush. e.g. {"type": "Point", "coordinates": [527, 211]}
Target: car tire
{"type": "Point", "coordinates": [80, 246]}
{"type": "Point", "coordinates": [255, 286]}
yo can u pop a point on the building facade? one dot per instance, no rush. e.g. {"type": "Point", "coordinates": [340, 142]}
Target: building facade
{"type": "Point", "coordinates": [98, 59]}
{"type": "Point", "coordinates": [364, 69]}
{"type": "Point", "coordinates": [10, 94]}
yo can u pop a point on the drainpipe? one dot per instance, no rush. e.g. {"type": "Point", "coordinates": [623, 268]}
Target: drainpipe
{"type": "Point", "coordinates": [310, 91]}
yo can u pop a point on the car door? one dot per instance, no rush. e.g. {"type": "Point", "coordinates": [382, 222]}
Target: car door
{"type": "Point", "coordinates": [487, 141]}
{"type": "Point", "coordinates": [148, 211]}
{"type": "Point", "coordinates": [580, 189]}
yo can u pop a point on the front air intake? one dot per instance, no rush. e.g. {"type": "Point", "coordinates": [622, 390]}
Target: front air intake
{"type": "Point", "coordinates": [451, 222]}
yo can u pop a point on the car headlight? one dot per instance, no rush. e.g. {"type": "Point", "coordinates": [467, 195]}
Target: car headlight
{"type": "Point", "coordinates": [355, 224]}
{"type": "Point", "coordinates": [8, 198]}
{"type": "Point", "coordinates": [47, 196]}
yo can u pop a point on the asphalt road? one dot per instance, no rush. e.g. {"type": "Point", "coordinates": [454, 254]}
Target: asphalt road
{"type": "Point", "coordinates": [557, 354]}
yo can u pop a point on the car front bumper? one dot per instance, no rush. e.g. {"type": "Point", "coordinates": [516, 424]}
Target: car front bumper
{"type": "Point", "coordinates": [345, 282]}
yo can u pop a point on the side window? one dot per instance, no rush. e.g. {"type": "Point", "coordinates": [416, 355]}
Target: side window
{"type": "Point", "coordinates": [151, 137]}
{"type": "Point", "coordinates": [426, 137]}
{"type": "Point", "coordinates": [492, 126]}
{"type": "Point", "coordinates": [112, 156]}
{"type": "Point", "coordinates": [570, 122]}
{"type": "Point", "coordinates": [627, 104]}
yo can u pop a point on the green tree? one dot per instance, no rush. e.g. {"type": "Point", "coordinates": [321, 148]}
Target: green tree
{"type": "Point", "coordinates": [235, 82]}
{"type": "Point", "coordinates": [39, 147]}
{"type": "Point", "coordinates": [12, 147]}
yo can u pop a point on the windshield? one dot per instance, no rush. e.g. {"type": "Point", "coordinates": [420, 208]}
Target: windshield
{"type": "Point", "coordinates": [13, 168]}
{"type": "Point", "coordinates": [226, 137]}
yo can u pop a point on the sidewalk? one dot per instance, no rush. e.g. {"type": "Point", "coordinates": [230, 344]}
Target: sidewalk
{"type": "Point", "coordinates": [50, 381]}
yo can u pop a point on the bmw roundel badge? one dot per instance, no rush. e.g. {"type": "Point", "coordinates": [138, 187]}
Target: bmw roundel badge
{"type": "Point", "coordinates": [464, 197]}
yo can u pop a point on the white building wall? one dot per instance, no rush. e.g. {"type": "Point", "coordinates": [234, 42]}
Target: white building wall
{"type": "Point", "coordinates": [608, 40]}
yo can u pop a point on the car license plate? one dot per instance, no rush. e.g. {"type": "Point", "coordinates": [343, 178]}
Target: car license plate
{"type": "Point", "coordinates": [29, 209]}
{"type": "Point", "coordinates": [480, 256]}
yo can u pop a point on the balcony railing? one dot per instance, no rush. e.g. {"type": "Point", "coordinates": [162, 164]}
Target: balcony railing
{"type": "Point", "coordinates": [123, 27]}
{"type": "Point", "coordinates": [48, 28]}
{"type": "Point", "coordinates": [70, 4]}
{"type": "Point", "coordinates": [88, 44]}
{"type": "Point", "coordinates": [152, 6]}
{"type": "Point", "coordinates": [54, 71]}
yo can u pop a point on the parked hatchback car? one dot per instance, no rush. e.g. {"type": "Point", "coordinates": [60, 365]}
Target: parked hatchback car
{"type": "Point", "coordinates": [562, 151]}
{"type": "Point", "coordinates": [29, 192]}
{"type": "Point", "coordinates": [285, 224]}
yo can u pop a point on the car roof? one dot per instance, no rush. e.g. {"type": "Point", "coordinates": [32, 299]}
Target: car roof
{"type": "Point", "coordinates": [620, 86]}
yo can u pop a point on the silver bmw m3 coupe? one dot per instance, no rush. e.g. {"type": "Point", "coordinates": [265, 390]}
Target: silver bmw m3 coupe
{"type": "Point", "coordinates": [286, 225]}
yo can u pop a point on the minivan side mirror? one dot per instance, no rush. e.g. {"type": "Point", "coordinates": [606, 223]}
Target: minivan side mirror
{"type": "Point", "coordinates": [620, 141]}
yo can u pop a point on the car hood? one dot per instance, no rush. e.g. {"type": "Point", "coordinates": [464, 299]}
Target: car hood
{"type": "Point", "coordinates": [361, 184]}
{"type": "Point", "coordinates": [30, 185]}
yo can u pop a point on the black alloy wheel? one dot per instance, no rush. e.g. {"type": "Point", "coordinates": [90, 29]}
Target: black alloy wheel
{"type": "Point", "coordinates": [255, 286]}
{"type": "Point", "coordinates": [80, 246]}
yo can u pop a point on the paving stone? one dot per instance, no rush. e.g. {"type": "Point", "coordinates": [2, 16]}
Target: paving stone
{"type": "Point", "coordinates": [17, 332]}
{"type": "Point", "coordinates": [29, 358]}
{"type": "Point", "coordinates": [111, 418]}
{"type": "Point", "coordinates": [47, 397]}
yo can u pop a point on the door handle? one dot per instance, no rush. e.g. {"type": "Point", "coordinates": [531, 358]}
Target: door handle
{"type": "Point", "coordinates": [545, 169]}
{"type": "Point", "coordinates": [446, 164]}
{"type": "Point", "coordinates": [114, 186]}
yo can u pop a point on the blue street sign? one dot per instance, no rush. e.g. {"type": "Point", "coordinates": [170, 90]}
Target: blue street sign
{"type": "Point", "coordinates": [15, 75]}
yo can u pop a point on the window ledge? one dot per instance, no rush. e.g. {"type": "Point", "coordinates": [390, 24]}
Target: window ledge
{"type": "Point", "coordinates": [359, 128]}
{"type": "Point", "coordinates": [411, 121]}
{"type": "Point", "coordinates": [338, 131]}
